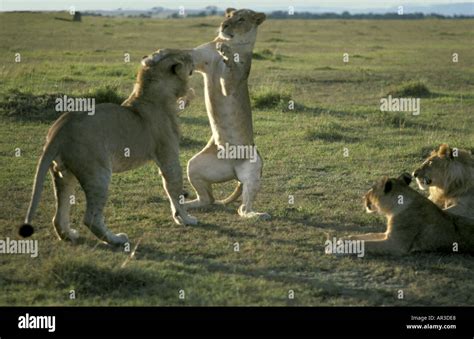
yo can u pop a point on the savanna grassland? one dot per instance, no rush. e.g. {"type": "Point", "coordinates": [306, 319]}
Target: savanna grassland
{"type": "Point", "coordinates": [337, 107]}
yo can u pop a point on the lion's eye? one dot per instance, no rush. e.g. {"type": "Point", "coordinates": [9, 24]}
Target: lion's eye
{"type": "Point", "coordinates": [241, 20]}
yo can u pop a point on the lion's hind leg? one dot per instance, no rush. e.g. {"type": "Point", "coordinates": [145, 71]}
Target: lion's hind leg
{"type": "Point", "coordinates": [64, 182]}
{"type": "Point", "coordinates": [249, 174]}
{"type": "Point", "coordinates": [204, 169]}
{"type": "Point", "coordinates": [96, 189]}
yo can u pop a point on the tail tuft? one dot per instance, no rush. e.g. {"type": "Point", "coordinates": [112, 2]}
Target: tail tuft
{"type": "Point", "coordinates": [26, 230]}
{"type": "Point", "coordinates": [234, 196]}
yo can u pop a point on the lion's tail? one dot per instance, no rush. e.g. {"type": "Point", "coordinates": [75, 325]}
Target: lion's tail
{"type": "Point", "coordinates": [234, 196]}
{"type": "Point", "coordinates": [50, 152]}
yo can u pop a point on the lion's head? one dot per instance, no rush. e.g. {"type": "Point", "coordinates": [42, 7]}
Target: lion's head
{"type": "Point", "coordinates": [389, 195]}
{"type": "Point", "coordinates": [448, 169]}
{"type": "Point", "coordinates": [240, 25]}
{"type": "Point", "coordinates": [166, 71]}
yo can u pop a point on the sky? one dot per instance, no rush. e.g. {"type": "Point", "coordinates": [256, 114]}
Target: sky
{"type": "Point", "coordinates": [269, 5]}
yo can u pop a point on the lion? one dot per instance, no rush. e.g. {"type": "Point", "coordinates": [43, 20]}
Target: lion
{"type": "Point", "coordinates": [117, 138]}
{"type": "Point", "coordinates": [414, 223]}
{"type": "Point", "coordinates": [448, 173]}
{"type": "Point", "coordinates": [225, 65]}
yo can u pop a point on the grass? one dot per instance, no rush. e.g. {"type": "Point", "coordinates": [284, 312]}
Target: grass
{"type": "Point", "coordinates": [267, 54]}
{"type": "Point", "coordinates": [330, 131]}
{"type": "Point", "coordinates": [27, 106]}
{"type": "Point", "coordinates": [268, 99]}
{"type": "Point", "coordinates": [415, 89]}
{"type": "Point", "coordinates": [336, 109]}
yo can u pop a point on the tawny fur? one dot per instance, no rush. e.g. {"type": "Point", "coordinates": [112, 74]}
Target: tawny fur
{"type": "Point", "coordinates": [225, 65]}
{"type": "Point", "coordinates": [448, 173]}
{"type": "Point", "coordinates": [117, 138]}
{"type": "Point", "coordinates": [414, 223]}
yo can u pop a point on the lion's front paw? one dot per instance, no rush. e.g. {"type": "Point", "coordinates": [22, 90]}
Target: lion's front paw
{"type": "Point", "coordinates": [73, 235]}
{"type": "Point", "coordinates": [224, 50]}
{"type": "Point", "coordinates": [190, 220]}
{"type": "Point", "coordinates": [117, 239]}
{"type": "Point", "coordinates": [185, 219]}
{"type": "Point", "coordinates": [184, 101]}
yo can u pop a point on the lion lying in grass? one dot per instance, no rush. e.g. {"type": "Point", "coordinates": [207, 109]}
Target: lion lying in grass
{"type": "Point", "coordinates": [116, 139]}
{"type": "Point", "coordinates": [448, 173]}
{"type": "Point", "coordinates": [414, 223]}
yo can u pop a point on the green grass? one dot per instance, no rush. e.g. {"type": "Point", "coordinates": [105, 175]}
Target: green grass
{"type": "Point", "coordinates": [267, 99]}
{"type": "Point", "coordinates": [415, 89]}
{"type": "Point", "coordinates": [336, 108]}
{"type": "Point", "coordinates": [27, 106]}
{"type": "Point", "coordinates": [267, 54]}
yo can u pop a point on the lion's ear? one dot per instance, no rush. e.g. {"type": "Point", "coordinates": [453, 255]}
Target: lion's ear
{"type": "Point", "coordinates": [179, 69]}
{"type": "Point", "coordinates": [406, 178]}
{"type": "Point", "coordinates": [388, 186]}
{"type": "Point", "coordinates": [229, 11]}
{"type": "Point", "coordinates": [259, 18]}
{"type": "Point", "coordinates": [445, 151]}
{"type": "Point", "coordinates": [147, 61]}
{"type": "Point", "coordinates": [154, 58]}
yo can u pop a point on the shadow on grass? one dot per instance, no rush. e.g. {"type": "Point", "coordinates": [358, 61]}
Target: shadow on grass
{"type": "Point", "coordinates": [296, 217]}
{"type": "Point", "coordinates": [313, 278]}
{"type": "Point", "coordinates": [349, 281]}
{"type": "Point", "coordinates": [93, 280]}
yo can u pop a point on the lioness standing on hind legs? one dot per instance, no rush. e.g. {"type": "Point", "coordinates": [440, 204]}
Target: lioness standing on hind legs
{"type": "Point", "coordinates": [225, 65]}
{"type": "Point", "coordinates": [116, 139]}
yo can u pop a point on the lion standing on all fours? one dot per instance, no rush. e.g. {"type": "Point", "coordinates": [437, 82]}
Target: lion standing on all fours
{"type": "Point", "coordinates": [89, 148]}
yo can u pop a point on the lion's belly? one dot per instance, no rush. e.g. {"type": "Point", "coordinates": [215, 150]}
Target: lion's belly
{"type": "Point", "coordinates": [230, 117]}
{"type": "Point", "coordinates": [121, 164]}
{"type": "Point", "coordinates": [125, 156]}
